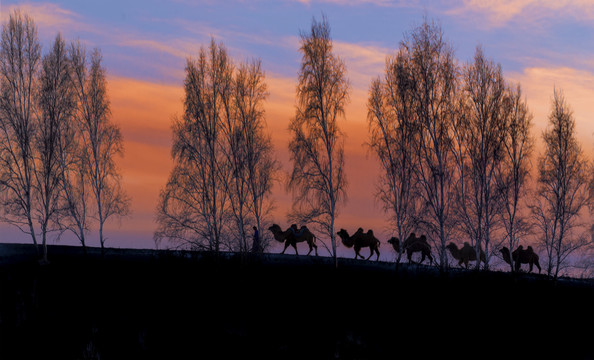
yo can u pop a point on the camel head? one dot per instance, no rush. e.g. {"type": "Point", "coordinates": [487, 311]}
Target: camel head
{"type": "Point", "coordinates": [453, 247]}
{"type": "Point", "coordinates": [395, 243]}
{"type": "Point", "coordinates": [277, 232]}
{"type": "Point", "coordinates": [345, 238]}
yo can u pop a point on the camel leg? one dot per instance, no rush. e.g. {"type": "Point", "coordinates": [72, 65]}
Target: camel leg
{"type": "Point", "coordinates": [286, 246]}
{"type": "Point", "coordinates": [377, 252]}
{"type": "Point", "coordinates": [310, 248]}
{"type": "Point", "coordinates": [316, 249]}
{"type": "Point", "coordinates": [295, 246]}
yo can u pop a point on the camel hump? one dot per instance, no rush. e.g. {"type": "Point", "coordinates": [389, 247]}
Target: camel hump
{"type": "Point", "coordinates": [370, 232]}
{"type": "Point", "coordinates": [529, 248]}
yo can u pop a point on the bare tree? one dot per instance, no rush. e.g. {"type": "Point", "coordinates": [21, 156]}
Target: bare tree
{"type": "Point", "coordinates": [249, 151]}
{"type": "Point", "coordinates": [563, 188]}
{"type": "Point", "coordinates": [192, 209]}
{"type": "Point", "coordinates": [514, 168]}
{"type": "Point", "coordinates": [101, 138]}
{"type": "Point", "coordinates": [393, 139]}
{"type": "Point", "coordinates": [260, 164]}
{"type": "Point", "coordinates": [480, 133]}
{"type": "Point", "coordinates": [20, 53]}
{"type": "Point", "coordinates": [432, 71]}
{"type": "Point", "coordinates": [317, 180]}
{"type": "Point", "coordinates": [56, 107]}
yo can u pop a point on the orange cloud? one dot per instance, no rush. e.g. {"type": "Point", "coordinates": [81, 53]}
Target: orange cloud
{"type": "Point", "coordinates": [538, 84]}
{"type": "Point", "coordinates": [144, 110]}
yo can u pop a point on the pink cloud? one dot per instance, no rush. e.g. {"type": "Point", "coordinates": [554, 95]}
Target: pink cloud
{"type": "Point", "coordinates": [496, 13]}
{"type": "Point", "coordinates": [49, 18]}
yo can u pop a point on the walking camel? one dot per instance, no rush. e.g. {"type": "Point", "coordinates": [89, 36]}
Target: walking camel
{"type": "Point", "coordinates": [360, 240]}
{"type": "Point", "coordinates": [466, 254]}
{"type": "Point", "coordinates": [292, 236]}
{"type": "Point", "coordinates": [413, 244]}
{"type": "Point", "coordinates": [521, 256]}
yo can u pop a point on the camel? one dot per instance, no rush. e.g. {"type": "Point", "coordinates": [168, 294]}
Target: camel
{"type": "Point", "coordinates": [292, 236]}
{"type": "Point", "coordinates": [360, 240]}
{"type": "Point", "coordinates": [413, 244]}
{"type": "Point", "coordinates": [466, 254]}
{"type": "Point", "coordinates": [521, 256]}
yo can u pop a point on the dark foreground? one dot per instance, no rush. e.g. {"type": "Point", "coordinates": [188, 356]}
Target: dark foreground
{"type": "Point", "coordinates": [163, 305]}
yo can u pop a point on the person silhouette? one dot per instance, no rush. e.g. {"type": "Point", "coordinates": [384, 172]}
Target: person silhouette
{"type": "Point", "coordinates": [256, 247]}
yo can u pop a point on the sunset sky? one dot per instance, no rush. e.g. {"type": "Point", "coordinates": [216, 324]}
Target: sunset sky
{"type": "Point", "coordinates": [145, 44]}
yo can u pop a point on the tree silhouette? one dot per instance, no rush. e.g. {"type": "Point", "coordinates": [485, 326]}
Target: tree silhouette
{"type": "Point", "coordinates": [56, 109]}
{"type": "Point", "coordinates": [224, 164]}
{"type": "Point", "coordinates": [563, 187]}
{"type": "Point", "coordinates": [317, 179]}
{"type": "Point", "coordinates": [192, 205]}
{"type": "Point", "coordinates": [432, 72]}
{"type": "Point", "coordinates": [255, 145]}
{"type": "Point", "coordinates": [101, 139]}
{"type": "Point", "coordinates": [393, 138]}
{"type": "Point", "coordinates": [480, 131]}
{"type": "Point", "coordinates": [513, 171]}
{"type": "Point", "coordinates": [20, 53]}
{"type": "Point", "coordinates": [249, 151]}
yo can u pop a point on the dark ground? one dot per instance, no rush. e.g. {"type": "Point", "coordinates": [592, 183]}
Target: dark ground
{"type": "Point", "coordinates": [162, 305]}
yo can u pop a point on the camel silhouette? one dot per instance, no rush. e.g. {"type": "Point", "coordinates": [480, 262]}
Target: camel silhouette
{"type": "Point", "coordinates": [292, 236]}
{"type": "Point", "coordinates": [360, 240]}
{"type": "Point", "coordinates": [466, 254]}
{"type": "Point", "coordinates": [521, 256]}
{"type": "Point", "coordinates": [413, 244]}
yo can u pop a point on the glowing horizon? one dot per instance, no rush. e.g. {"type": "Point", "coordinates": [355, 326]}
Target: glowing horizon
{"type": "Point", "coordinates": [540, 45]}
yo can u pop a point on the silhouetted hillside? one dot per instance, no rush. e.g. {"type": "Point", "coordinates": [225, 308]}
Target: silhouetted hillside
{"type": "Point", "coordinates": [145, 304]}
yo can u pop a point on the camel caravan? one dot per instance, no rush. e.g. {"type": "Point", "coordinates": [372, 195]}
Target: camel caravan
{"type": "Point", "coordinates": [413, 244]}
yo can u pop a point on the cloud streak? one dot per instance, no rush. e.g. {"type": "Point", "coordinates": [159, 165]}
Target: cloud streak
{"type": "Point", "coordinates": [50, 18]}
{"type": "Point", "coordinates": [499, 13]}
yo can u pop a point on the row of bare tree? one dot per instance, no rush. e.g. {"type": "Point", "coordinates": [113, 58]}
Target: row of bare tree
{"type": "Point", "coordinates": [453, 141]}
{"type": "Point", "coordinates": [57, 142]}
{"type": "Point", "coordinates": [455, 146]}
